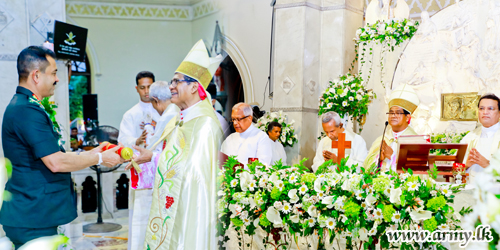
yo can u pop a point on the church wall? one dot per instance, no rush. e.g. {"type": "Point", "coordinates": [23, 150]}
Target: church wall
{"type": "Point", "coordinates": [125, 47]}
{"type": "Point", "coordinates": [248, 25]}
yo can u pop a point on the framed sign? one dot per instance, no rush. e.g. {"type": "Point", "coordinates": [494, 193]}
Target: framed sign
{"type": "Point", "coordinates": [459, 106]}
{"type": "Point", "coordinates": [70, 41]}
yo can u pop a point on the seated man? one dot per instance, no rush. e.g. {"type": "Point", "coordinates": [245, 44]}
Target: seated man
{"type": "Point", "coordinates": [248, 141]}
{"type": "Point", "coordinates": [403, 101]}
{"type": "Point", "coordinates": [484, 141]}
{"type": "Point", "coordinates": [274, 132]}
{"type": "Point", "coordinates": [332, 125]}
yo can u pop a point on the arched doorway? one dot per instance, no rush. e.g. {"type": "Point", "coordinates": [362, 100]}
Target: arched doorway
{"type": "Point", "coordinates": [229, 87]}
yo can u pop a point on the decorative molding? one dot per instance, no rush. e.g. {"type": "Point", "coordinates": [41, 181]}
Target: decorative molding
{"type": "Point", "coordinates": [295, 109]}
{"type": "Point", "coordinates": [311, 86]}
{"type": "Point", "coordinates": [43, 23]}
{"type": "Point", "coordinates": [316, 7]}
{"type": "Point", "coordinates": [129, 11]}
{"type": "Point", "coordinates": [5, 19]}
{"type": "Point", "coordinates": [287, 85]}
{"type": "Point", "coordinates": [142, 11]}
{"type": "Point", "coordinates": [205, 8]}
{"type": "Point", "coordinates": [8, 57]}
{"type": "Point", "coordinates": [418, 6]}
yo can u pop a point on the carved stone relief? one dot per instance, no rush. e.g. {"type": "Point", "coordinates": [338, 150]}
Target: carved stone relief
{"type": "Point", "coordinates": [287, 85]}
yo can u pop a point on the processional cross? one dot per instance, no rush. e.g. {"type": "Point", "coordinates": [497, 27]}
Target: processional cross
{"type": "Point", "coordinates": [341, 144]}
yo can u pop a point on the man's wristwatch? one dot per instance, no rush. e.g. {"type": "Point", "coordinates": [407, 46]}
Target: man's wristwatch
{"type": "Point", "coordinates": [100, 158]}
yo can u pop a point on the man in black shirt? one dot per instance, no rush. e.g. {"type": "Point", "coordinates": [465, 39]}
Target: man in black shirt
{"type": "Point", "coordinates": [42, 192]}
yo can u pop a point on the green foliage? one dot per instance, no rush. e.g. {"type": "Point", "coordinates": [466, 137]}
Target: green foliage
{"type": "Point", "coordinates": [352, 209]}
{"type": "Point", "coordinates": [388, 211]}
{"type": "Point", "coordinates": [436, 203]}
{"type": "Point", "coordinates": [430, 224]}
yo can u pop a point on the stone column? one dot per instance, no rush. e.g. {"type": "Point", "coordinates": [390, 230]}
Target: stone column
{"type": "Point", "coordinates": [313, 45]}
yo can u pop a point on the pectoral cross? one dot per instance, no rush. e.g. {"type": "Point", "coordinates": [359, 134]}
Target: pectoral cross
{"type": "Point", "coordinates": [341, 144]}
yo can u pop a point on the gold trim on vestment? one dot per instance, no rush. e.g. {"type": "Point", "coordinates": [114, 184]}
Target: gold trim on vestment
{"type": "Point", "coordinates": [193, 70]}
{"type": "Point", "coordinates": [408, 106]}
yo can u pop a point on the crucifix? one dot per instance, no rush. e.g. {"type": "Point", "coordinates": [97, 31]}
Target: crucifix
{"type": "Point", "coordinates": [341, 144]}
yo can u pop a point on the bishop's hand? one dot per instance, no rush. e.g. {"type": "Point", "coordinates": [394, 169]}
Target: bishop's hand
{"type": "Point", "coordinates": [144, 156]}
{"type": "Point", "coordinates": [386, 151]}
{"type": "Point", "coordinates": [327, 155]}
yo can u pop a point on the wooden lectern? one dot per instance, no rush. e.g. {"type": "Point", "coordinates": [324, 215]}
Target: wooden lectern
{"type": "Point", "coordinates": [341, 144]}
{"type": "Point", "coordinates": [415, 156]}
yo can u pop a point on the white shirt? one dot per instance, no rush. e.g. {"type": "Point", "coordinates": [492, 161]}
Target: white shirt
{"type": "Point", "coordinates": [278, 152]}
{"type": "Point", "coordinates": [253, 143]}
{"type": "Point", "coordinates": [357, 153]}
{"type": "Point", "coordinates": [170, 112]}
{"type": "Point", "coordinates": [130, 127]}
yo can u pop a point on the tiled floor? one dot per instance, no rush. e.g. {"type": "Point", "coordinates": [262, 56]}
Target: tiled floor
{"type": "Point", "coordinates": [104, 241]}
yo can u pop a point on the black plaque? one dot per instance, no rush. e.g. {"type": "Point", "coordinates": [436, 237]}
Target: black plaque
{"type": "Point", "coordinates": [70, 41]}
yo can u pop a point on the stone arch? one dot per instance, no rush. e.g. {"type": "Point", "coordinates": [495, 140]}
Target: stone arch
{"type": "Point", "coordinates": [241, 64]}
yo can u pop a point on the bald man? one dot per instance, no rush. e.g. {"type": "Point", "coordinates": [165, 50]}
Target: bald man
{"type": "Point", "coordinates": [248, 141]}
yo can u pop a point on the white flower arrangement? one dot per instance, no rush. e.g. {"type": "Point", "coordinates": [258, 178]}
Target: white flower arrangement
{"type": "Point", "coordinates": [338, 202]}
{"type": "Point", "coordinates": [288, 137]}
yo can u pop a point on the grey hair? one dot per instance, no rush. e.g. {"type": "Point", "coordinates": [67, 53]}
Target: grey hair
{"type": "Point", "coordinates": [160, 91]}
{"type": "Point", "coordinates": [331, 115]}
{"type": "Point", "coordinates": [247, 110]}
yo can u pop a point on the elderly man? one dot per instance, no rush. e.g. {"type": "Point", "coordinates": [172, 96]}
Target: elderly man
{"type": "Point", "coordinates": [159, 95]}
{"type": "Point", "coordinates": [332, 125]}
{"type": "Point", "coordinates": [403, 102]}
{"type": "Point", "coordinates": [42, 194]}
{"type": "Point", "coordinates": [274, 132]}
{"type": "Point", "coordinates": [484, 141]}
{"type": "Point", "coordinates": [248, 141]}
{"type": "Point", "coordinates": [183, 214]}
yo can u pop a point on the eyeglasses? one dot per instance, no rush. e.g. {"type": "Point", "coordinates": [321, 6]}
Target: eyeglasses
{"type": "Point", "coordinates": [487, 108]}
{"type": "Point", "coordinates": [176, 82]}
{"type": "Point", "coordinates": [394, 114]}
{"type": "Point", "coordinates": [238, 119]}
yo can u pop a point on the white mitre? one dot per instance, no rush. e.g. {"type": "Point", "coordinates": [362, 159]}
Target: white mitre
{"type": "Point", "coordinates": [404, 97]}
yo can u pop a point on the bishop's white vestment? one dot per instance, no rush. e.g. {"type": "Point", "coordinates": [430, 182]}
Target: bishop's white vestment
{"type": "Point", "coordinates": [357, 153]}
{"type": "Point", "coordinates": [252, 143]}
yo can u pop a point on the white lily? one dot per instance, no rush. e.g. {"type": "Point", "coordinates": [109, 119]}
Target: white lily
{"type": "Point", "coordinates": [419, 215]}
{"type": "Point", "coordinates": [295, 218]}
{"type": "Point", "coordinates": [363, 234]}
{"type": "Point", "coordinates": [328, 200]}
{"type": "Point", "coordinates": [294, 198]}
{"type": "Point", "coordinates": [245, 179]}
{"type": "Point", "coordinates": [370, 199]}
{"type": "Point", "coordinates": [396, 196]}
{"type": "Point", "coordinates": [273, 215]}
{"type": "Point", "coordinates": [317, 184]}
{"type": "Point", "coordinates": [312, 211]}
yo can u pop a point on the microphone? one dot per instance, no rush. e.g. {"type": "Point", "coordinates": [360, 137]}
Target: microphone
{"type": "Point", "coordinates": [381, 143]}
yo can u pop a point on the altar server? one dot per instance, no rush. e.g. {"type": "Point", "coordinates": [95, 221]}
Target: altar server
{"type": "Point", "coordinates": [484, 141]}
{"type": "Point", "coordinates": [333, 125]}
{"type": "Point", "coordinates": [248, 141]}
{"type": "Point", "coordinates": [134, 130]}
{"type": "Point", "coordinates": [274, 130]}
{"type": "Point", "coordinates": [402, 103]}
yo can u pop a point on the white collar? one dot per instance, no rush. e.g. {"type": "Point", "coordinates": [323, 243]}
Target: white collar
{"type": "Point", "coordinates": [186, 111]}
{"type": "Point", "coordinates": [491, 130]}
{"type": "Point", "coordinates": [249, 132]}
{"type": "Point", "coordinates": [398, 134]}
{"type": "Point", "coordinates": [144, 105]}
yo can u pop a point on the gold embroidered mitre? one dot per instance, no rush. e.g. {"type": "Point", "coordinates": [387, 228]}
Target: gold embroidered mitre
{"type": "Point", "coordinates": [404, 97]}
{"type": "Point", "coordinates": [199, 65]}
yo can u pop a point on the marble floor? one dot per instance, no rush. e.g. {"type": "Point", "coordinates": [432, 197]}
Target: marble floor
{"type": "Point", "coordinates": [103, 241]}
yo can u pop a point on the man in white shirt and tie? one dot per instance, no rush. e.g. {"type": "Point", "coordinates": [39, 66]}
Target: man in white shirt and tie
{"type": "Point", "coordinates": [248, 141]}
{"type": "Point", "coordinates": [274, 132]}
